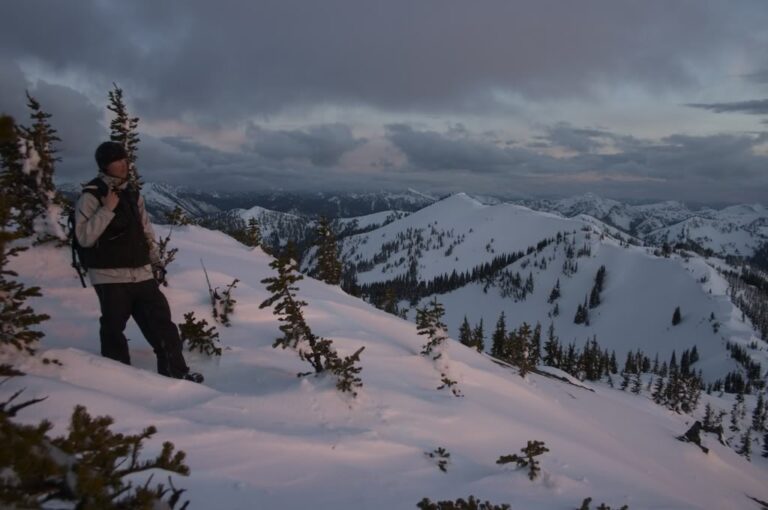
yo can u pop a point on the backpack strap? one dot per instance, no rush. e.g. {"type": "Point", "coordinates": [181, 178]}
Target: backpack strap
{"type": "Point", "coordinates": [99, 189]}
{"type": "Point", "coordinates": [96, 187]}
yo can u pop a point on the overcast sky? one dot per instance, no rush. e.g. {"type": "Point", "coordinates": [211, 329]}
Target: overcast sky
{"type": "Point", "coordinates": [652, 99]}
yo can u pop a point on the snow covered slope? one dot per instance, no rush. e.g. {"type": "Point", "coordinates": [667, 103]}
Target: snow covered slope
{"type": "Point", "coordinates": [258, 437]}
{"type": "Point", "coordinates": [736, 230]}
{"type": "Point", "coordinates": [641, 291]}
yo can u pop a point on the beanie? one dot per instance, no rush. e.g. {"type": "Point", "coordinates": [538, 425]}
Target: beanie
{"type": "Point", "coordinates": [109, 152]}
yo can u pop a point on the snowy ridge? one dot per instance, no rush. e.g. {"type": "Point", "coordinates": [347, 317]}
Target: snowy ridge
{"type": "Point", "coordinates": [256, 436]}
{"type": "Point", "coordinates": [458, 234]}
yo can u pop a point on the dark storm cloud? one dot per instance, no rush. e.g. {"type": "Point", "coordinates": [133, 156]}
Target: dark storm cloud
{"type": "Point", "coordinates": [231, 60]}
{"type": "Point", "coordinates": [576, 139]}
{"type": "Point", "coordinates": [754, 107]}
{"type": "Point", "coordinates": [322, 145]}
{"type": "Point", "coordinates": [724, 167]}
{"type": "Point", "coordinates": [431, 150]}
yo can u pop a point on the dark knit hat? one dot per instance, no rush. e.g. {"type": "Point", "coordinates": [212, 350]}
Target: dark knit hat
{"type": "Point", "coordinates": [109, 152]}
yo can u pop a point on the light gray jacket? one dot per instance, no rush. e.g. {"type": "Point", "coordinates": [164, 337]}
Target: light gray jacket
{"type": "Point", "coordinates": [92, 219]}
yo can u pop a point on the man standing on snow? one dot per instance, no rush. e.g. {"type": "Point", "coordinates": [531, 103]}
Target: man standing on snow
{"type": "Point", "coordinates": [117, 245]}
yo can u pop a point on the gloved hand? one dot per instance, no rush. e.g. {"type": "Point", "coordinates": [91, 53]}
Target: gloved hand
{"type": "Point", "coordinates": [159, 273]}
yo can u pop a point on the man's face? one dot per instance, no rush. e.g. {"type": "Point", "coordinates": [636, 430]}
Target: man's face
{"type": "Point", "coordinates": [118, 169]}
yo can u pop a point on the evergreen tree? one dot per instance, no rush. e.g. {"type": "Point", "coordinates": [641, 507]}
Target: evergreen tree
{"type": "Point", "coordinates": [90, 468]}
{"type": "Point", "coordinates": [597, 288]}
{"type": "Point", "coordinates": [552, 348]}
{"type": "Point", "coordinates": [499, 337]}
{"type": "Point", "coordinates": [676, 317]}
{"type": "Point", "coordinates": [582, 313]}
{"type": "Point", "coordinates": [328, 265]}
{"type": "Point", "coordinates": [18, 186]}
{"type": "Point", "coordinates": [390, 301]}
{"type": "Point", "coordinates": [759, 414]}
{"type": "Point", "coordinates": [253, 232]}
{"type": "Point", "coordinates": [124, 130]}
{"type": "Point", "coordinates": [519, 344]}
{"type": "Point", "coordinates": [709, 418]}
{"type": "Point", "coordinates": [177, 217]}
{"type": "Point", "coordinates": [478, 337]}
{"type": "Point", "coordinates": [637, 383]}
{"type": "Point", "coordinates": [39, 201]}
{"type": "Point", "coordinates": [745, 448]}
{"type": "Point", "coordinates": [199, 337]}
{"type": "Point", "coordinates": [736, 412]}
{"type": "Point", "coordinates": [658, 390]}
{"type": "Point", "coordinates": [534, 349]}
{"type": "Point", "coordinates": [17, 318]}
{"type": "Point", "coordinates": [465, 333]}
{"type": "Point", "coordinates": [554, 295]}
{"type": "Point", "coordinates": [429, 322]}
{"type": "Point", "coordinates": [528, 459]}
{"type": "Point", "coordinates": [317, 351]}
{"type": "Point", "coordinates": [765, 445]}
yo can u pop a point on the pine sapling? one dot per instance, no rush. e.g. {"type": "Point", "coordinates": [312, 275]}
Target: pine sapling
{"type": "Point", "coordinates": [225, 303]}
{"type": "Point", "coordinates": [450, 384]}
{"type": "Point", "coordinates": [532, 450]}
{"type": "Point", "coordinates": [441, 456]}
{"type": "Point", "coordinates": [429, 323]}
{"type": "Point", "coordinates": [198, 336]}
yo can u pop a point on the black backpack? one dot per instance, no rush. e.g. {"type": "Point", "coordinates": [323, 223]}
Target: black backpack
{"type": "Point", "coordinates": [99, 189]}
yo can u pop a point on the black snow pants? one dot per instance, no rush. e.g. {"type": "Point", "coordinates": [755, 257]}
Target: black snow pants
{"type": "Point", "coordinates": [147, 305]}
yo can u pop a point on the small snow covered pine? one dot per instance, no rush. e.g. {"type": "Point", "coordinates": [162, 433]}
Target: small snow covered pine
{"type": "Point", "coordinates": [198, 336]}
{"type": "Point", "coordinates": [528, 459]}
{"type": "Point", "coordinates": [124, 130]}
{"type": "Point", "coordinates": [17, 318]}
{"type": "Point", "coordinates": [296, 333]}
{"type": "Point", "coordinates": [429, 323]}
{"type": "Point", "coordinates": [91, 467]}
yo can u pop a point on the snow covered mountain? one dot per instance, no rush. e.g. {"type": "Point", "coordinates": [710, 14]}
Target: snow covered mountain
{"type": "Point", "coordinates": [480, 261]}
{"type": "Point", "coordinates": [256, 436]}
{"type": "Point", "coordinates": [737, 230]}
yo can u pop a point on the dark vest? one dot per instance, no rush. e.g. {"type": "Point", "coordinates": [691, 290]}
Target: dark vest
{"type": "Point", "coordinates": [123, 243]}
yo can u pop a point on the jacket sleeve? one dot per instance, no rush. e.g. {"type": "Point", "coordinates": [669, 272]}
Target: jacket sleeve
{"type": "Point", "coordinates": [91, 219]}
{"type": "Point", "coordinates": [149, 232]}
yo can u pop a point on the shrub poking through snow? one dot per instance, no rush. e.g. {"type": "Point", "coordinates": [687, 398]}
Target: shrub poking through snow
{"type": "Point", "coordinates": [449, 383]}
{"type": "Point", "coordinates": [460, 504]}
{"type": "Point", "coordinates": [532, 450]}
{"type": "Point", "coordinates": [225, 303]}
{"type": "Point", "coordinates": [198, 336]}
{"type": "Point", "coordinates": [441, 456]}
{"type": "Point", "coordinates": [317, 351]}
{"type": "Point", "coordinates": [222, 304]}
